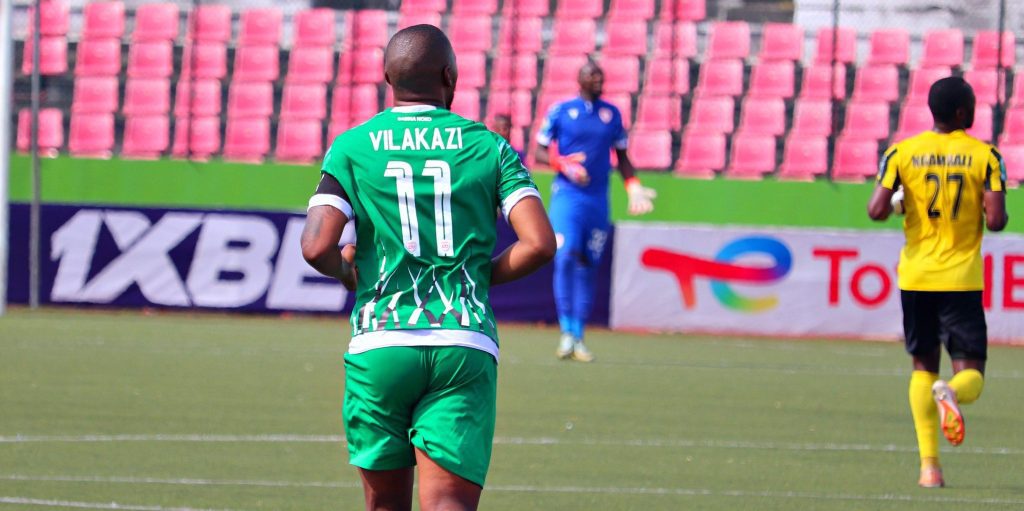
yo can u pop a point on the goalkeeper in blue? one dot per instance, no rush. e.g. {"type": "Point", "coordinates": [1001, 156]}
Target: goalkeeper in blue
{"type": "Point", "coordinates": [585, 130]}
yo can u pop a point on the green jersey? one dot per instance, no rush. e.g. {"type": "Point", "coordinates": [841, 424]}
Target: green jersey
{"type": "Point", "coordinates": [425, 186]}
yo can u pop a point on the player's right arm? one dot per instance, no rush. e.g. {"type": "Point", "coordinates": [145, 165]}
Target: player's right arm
{"type": "Point", "coordinates": [996, 216]}
{"type": "Point", "coordinates": [880, 205]}
{"type": "Point", "coordinates": [547, 133]}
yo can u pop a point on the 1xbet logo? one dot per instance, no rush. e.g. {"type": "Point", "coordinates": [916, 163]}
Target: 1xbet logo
{"type": "Point", "coordinates": [721, 270]}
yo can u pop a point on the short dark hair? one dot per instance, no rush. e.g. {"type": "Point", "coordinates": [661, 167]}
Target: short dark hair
{"type": "Point", "coordinates": [503, 117]}
{"type": "Point", "coordinates": [948, 95]}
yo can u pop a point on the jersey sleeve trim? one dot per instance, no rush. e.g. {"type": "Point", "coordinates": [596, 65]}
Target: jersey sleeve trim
{"type": "Point", "coordinates": [326, 199]}
{"type": "Point", "coordinates": [886, 178]}
{"type": "Point", "coordinates": [1000, 180]}
{"type": "Point", "coordinates": [546, 133]}
{"type": "Point", "coordinates": [516, 196]}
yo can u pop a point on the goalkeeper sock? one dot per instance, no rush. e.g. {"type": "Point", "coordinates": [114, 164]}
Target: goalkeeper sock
{"type": "Point", "coordinates": [968, 385]}
{"type": "Point", "coordinates": [926, 414]}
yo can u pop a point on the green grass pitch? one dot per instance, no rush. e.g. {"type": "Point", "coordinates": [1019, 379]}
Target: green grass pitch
{"type": "Point", "coordinates": [103, 410]}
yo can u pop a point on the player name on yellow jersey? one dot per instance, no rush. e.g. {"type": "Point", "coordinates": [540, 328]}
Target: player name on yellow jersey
{"type": "Point", "coordinates": [417, 139]}
{"type": "Point", "coordinates": [942, 160]}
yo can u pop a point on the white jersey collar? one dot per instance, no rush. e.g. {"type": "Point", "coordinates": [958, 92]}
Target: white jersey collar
{"type": "Point", "coordinates": [413, 109]}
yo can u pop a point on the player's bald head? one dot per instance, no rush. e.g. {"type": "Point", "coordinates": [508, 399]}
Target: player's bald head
{"type": "Point", "coordinates": [591, 80]}
{"type": "Point", "coordinates": [419, 63]}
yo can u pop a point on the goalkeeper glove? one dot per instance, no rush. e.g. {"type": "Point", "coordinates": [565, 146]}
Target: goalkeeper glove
{"type": "Point", "coordinates": [571, 166]}
{"type": "Point", "coordinates": [641, 198]}
{"type": "Point", "coordinates": [897, 201]}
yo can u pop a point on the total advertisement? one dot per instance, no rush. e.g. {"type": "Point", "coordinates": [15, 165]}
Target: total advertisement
{"type": "Point", "coordinates": [786, 282]}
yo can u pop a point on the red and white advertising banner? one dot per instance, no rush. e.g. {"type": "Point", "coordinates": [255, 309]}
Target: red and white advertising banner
{"type": "Point", "coordinates": [786, 282]}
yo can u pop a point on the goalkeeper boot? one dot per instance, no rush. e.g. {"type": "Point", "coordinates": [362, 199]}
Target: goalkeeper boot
{"type": "Point", "coordinates": [580, 353]}
{"type": "Point", "coordinates": [950, 418]}
{"type": "Point", "coordinates": [565, 346]}
{"type": "Point", "coordinates": [931, 477]}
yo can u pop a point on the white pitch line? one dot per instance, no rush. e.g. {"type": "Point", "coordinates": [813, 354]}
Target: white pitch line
{"type": "Point", "coordinates": [25, 501]}
{"type": "Point", "coordinates": [178, 481]}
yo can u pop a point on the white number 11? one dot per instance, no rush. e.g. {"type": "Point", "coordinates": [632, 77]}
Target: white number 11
{"type": "Point", "coordinates": [441, 172]}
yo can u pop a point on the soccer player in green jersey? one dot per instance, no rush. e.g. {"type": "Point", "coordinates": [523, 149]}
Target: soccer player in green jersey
{"type": "Point", "coordinates": [423, 187]}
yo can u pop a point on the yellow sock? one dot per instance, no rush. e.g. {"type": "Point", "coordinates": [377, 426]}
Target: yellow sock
{"type": "Point", "coordinates": [967, 384]}
{"type": "Point", "coordinates": [926, 414]}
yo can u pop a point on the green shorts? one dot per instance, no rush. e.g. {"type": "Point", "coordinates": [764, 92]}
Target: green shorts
{"type": "Point", "coordinates": [439, 399]}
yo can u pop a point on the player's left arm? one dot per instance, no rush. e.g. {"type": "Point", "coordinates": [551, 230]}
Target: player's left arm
{"type": "Point", "coordinates": [996, 216]}
{"type": "Point", "coordinates": [880, 205]}
{"type": "Point", "coordinates": [641, 198]}
{"type": "Point", "coordinates": [329, 211]}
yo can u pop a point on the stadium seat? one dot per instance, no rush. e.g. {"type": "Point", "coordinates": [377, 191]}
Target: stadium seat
{"type": "Point", "coordinates": [763, 116]}
{"type": "Point", "coordinates": [369, 28]}
{"type": "Point", "coordinates": [659, 112]}
{"type": "Point", "coordinates": [521, 35]}
{"type": "Point", "coordinates": [98, 57]}
{"type": "Point", "coordinates": [729, 40]}
{"type": "Point", "coordinates": [624, 102]}
{"type": "Point", "coordinates": [313, 27]}
{"type": "Point", "coordinates": [472, 69]}
{"type": "Point", "coordinates": [1013, 157]}
{"type": "Point", "coordinates": [53, 56]}
{"type": "Point", "coordinates": [982, 128]}
{"type": "Point", "coordinates": [985, 83]}
{"type": "Point", "coordinates": [50, 134]}
{"type": "Point", "coordinates": [576, 9]}
{"type": "Point", "coordinates": [1013, 127]}
{"type": "Point", "coordinates": [781, 41]}
{"type": "Point", "coordinates": [921, 81]}
{"type": "Point", "coordinates": [254, 99]}
{"type": "Point", "coordinates": [877, 83]}
{"type": "Point", "coordinates": [150, 59]}
{"type": "Point", "coordinates": [914, 118]}
{"type": "Point", "coordinates": [517, 104]}
{"type": "Point", "coordinates": [812, 117]}
{"type": "Point", "coordinates": [573, 37]}
{"type": "Point", "coordinates": [663, 78]}
{"type": "Point", "coordinates": [207, 59]}
{"type": "Point", "coordinates": [420, 6]}
{"type": "Point", "coordinates": [846, 49]}
{"type": "Point", "coordinates": [625, 37]}
{"type": "Point", "coordinates": [299, 141]}
{"type": "Point", "coordinates": [561, 71]}
{"type": "Point", "coordinates": [545, 100]}
{"type": "Point", "coordinates": [103, 20]}
{"type": "Point", "coordinates": [467, 103]}
{"type": "Point", "coordinates": [156, 22]}
{"type": "Point", "coordinates": [209, 22]}
{"type": "Point", "coordinates": [866, 121]}
{"type": "Point", "coordinates": [526, 8]}
{"type": "Point", "coordinates": [196, 137]}
{"type": "Point", "coordinates": [247, 139]}
{"type": "Point", "coordinates": [675, 39]}
{"type": "Point", "coordinates": [147, 96]}
{"type": "Point", "coordinates": [804, 157]}
{"type": "Point", "coordinates": [855, 159]}
{"type": "Point", "coordinates": [363, 65]}
{"type": "Point", "coordinates": [54, 18]}
{"type": "Point", "coordinates": [205, 100]}
{"type": "Point", "coordinates": [943, 48]}
{"type": "Point", "coordinates": [260, 26]}
{"type": "Point", "coordinates": [145, 136]}
{"type": "Point", "coordinates": [685, 10]}
{"type": "Point", "coordinates": [256, 63]}
{"type": "Point", "coordinates": [712, 114]}
{"type": "Point", "coordinates": [95, 95]}
{"type": "Point", "coordinates": [487, 7]}
{"type": "Point", "coordinates": [631, 10]}
{"type": "Point", "coordinates": [753, 156]}
{"type": "Point", "coordinates": [986, 47]}
{"type": "Point", "coordinates": [470, 33]}
{"type": "Point", "coordinates": [91, 135]}
{"type": "Point", "coordinates": [650, 149]}
{"type": "Point", "coordinates": [408, 19]}
{"type": "Point", "coordinates": [311, 64]}
{"type": "Point", "coordinates": [773, 79]}
{"type": "Point", "coordinates": [702, 154]}
{"type": "Point", "coordinates": [890, 46]}
{"type": "Point", "coordinates": [518, 73]}
{"type": "Point", "coordinates": [622, 73]}
{"type": "Point", "coordinates": [819, 79]}
{"type": "Point", "coordinates": [1017, 99]}
{"type": "Point", "coordinates": [354, 103]}
{"type": "Point", "coordinates": [304, 101]}
{"type": "Point", "coordinates": [720, 78]}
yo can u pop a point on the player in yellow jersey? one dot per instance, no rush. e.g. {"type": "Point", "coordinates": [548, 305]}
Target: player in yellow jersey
{"type": "Point", "coordinates": [949, 184]}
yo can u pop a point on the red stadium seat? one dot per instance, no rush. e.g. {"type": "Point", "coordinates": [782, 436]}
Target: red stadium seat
{"type": "Point", "coordinates": [812, 117]}
{"type": "Point", "coordinates": [150, 59]}
{"type": "Point", "coordinates": [624, 102]}
{"type": "Point", "coordinates": [1013, 157]}
{"type": "Point", "coordinates": [209, 22]}
{"type": "Point", "coordinates": [1017, 99]}
{"type": "Point", "coordinates": [53, 56]}
{"type": "Point", "coordinates": [855, 159]}
{"type": "Point", "coordinates": [781, 41]}
{"type": "Point", "coordinates": [846, 49]}
{"type": "Point", "coordinates": [631, 10]}
{"type": "Point", "coordinates": [685, 10]}
{"type": "Point", "coordinates": [890, 46]}
{"type": "Point", "coordinates": [561, 71]}
{"type": "Point", "coordinates": [470, 33]}
{"type": "Point", "coordinates": [576, 9]}
{"type": "Point", "coordinates": [472, 69]}
{"type": "Point", "coordinates": [985, 83]}
{"type": "Point", "coordinates": [573, 37]}
{"type": "Point", "coordinates": [487, 7]}
{"type": "Point", "coordinates": [702, 154]}
{"type": "Point", "coordinates": [621, 74]}
{"type": "Point", "coordinates": [54, 18]}
{"type": "Point", "coordinates": [467, 103]}
{"type": "Point", "coordinates": [311, 64]}
{"type": "Point", "coordinates": [675, 39]}
{"type": "Point", "coordinates": [877, 83]}
{"type": "Point", "coordinates": [147, 96]}
{"type": "Point", "coordinates": [526, 8]}
{"type": "Point", "coordinates": [982, 129]}
{"type": "Point", "coordinates": [866, 121]}
{"type": "Point", "coordinates": [247, 139]}
{"type": "Point", "coordinates": [156, 22]}
{"type": "Point", "coordinates": [363, 65]}
{"type": "Point", "coordinates": [51, 130]}
{"type": "Point", "coordinates": [304, 101]}
{"type": "Point", "coordinates": [820, 79]}
{"type": "Point", "coordinates": [712, 115]}
{"type": "Point", "coordinates": [260, 26]}
{"type": "Point", "coordinates": [659, 112]}
{"type": "Point", "coordinates": [721, 78]}
{"type": "Point", "coordinates": [196, 137]}
{"type": "Point", "coordinates": [663, 78]}
{"type": "Point", "coordinates": [354, 103]}
{"type": "Point", "coordinates": [102, 20]}
{"type": "Point", "coordinates": [921, 81]}
{"type": "Point", "coordinates": [1013, 127]}
{"type": "Point", "coordinates": [729, 40]}
{"type": "Point", "coordinates": [943, 48]}
{"type": "Point", "coordinates": [625, 37]}
{"type": "Point", "coordinates": [986, 47]}
{"type": "Point", "coordinates": [91, 135]}
{"type": "Point", "coordinates": [369, 28]}
{"type": "Point", "coordinates": [520, 73]}
{"type": "Point", "coordinates": [773, 79]}
{"type": "Point", "coordinates": [419, 6]}
{"type": "Point", "coordinates": [254, 99]}
{"type": "Point", "coordinates": [516, 104]}
{"type": "Point", "coordinates": [95, 95]}
{"type": "Point", "coordinates": [207, 59]}
{"type": "Point", "coordinates": [257, 63]}
{"type": "Point", "coordinates": [145, 136]}
{"type": "Point", "coordinates": [914, 118]}
{"type": "Point", "coordinates": [804, 157]}
{"type": "Point", "coordinates": [521, 34]}
{"type": "Point", "coordinates": [205, 100]}
{"type": "Point", "coordinates": [753, 156]}
{"type": "Point", "coordinates": [299, 140]}
{"type": "Point", "coordinates": [763, 116]}
{"type": "Point", "coordinates": [313, 27]}
{"type": "Point", "coordinates": [98, 57]}
{"type": "Point", "coordinates": [408, 19]}
{"type": "Point", "coordinates": [650, 149]}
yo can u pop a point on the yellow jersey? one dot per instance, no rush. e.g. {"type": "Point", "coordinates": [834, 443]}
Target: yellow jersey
{"type": "Point", "coordinates": [944, 178]}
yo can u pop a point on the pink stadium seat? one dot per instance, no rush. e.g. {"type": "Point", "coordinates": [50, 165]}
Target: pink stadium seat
{"type": "Point", "coordinates": [921, 81]}
{"type": "Point", "coordinates": [145, 136]}
{"type": "Point", "coordinates": [526, 8]}
{"type": "Point", "coordinates": [156, 22]}
{"type": "Point", "coordinates": [516, 104]}
{"type": "Point", "coordinates": [855, 159]}
{"type": "Point", "coordinates": [256, 63]}
{"type": "Point", "coordinates": [663, 78]}
{"type": "Point", "coordinates": [247, 139]}
{"type": "Point", "coordinates": [877, 83]}
{"type": "Point", "coordinates": [985, 83]}
{"type": "Point", "coordinates": [914, 118]}
{"type": "Point", "coordinates": [561, 71]}
{"type": "Point", "coordinates": [624, 102]}
{"type": "Point", "coordinates": [418, 6]}
{"type": "Point", "coordinates": [546, 100]}
{"type": "Point", "coordinates": [781, 41]}
{"type": "Point", "coordinates": [573, 36]}
{"type": "Point", "coordinates": [205, 100]}
{"type": "Point", "coordinates": [254, 99]}
{"type": "Point", "coordinates": [890, 46]}
{"type": "Point", "coordinates": [363, 65]}
{"type": "Point", "coordinates": [804, 157]}
{"type": "Point", "coordinates": [53, 20]}
{"type": "Point", "coordinates": [721, 78]}
{"type": "Point", "coordinates": [53, 56]}
{"type": "Point", "coordinates": [1013, 127]}
{"type": "Point", "coordinates": [51, 130]}
{"type": "Point", "coordinates": [712, 115]}
{"type": "Point", "coordinates": [631, 10]}
{"type": "Point", "coordinates": [1013, 157]}
{"type": "Point", "coordinates": [518, 73]}
{"type": "Point", "coordinates": [150, 59]}
{"type": "Point", "coordinates": [866, 121]}
{"type": "Point", "coordinates": [943, 48]}
{"type": "Point", "coordinates": [576, 9]}
{"type": "Point", "coordinates": [625, 37]}
{"type": "Point", "coordinates": [304, 101]}
{"type": "Point", "coordinates": [982, 129]}
{"type": "Point", "coordinates": [207, 59]}
{"type": "Point", "coordinates": [209, 22]}
{"type": "Point", "coordinates": [763, 116]}
{"type": "Point", "coordinates": [369, 28]}
{"type": "Point", "coordinates": [820, 79]}
{"type": "Point", "coordinates": [472, 69]}
{"type": "Point", "coordinates": [773, 79]}
{"type": "Point", "coordinates": [299, 140]}
{"type": "Point", "coordinates": [356, 103]}
{"type": "Point", "coordinates": [196, 137]}
{"type": "Point", "coordinates": [729, 40]}
{"type": "Point", "coordinates": [1017, 99]}
{"type": "Point", "coordinates": [521, 34]}
{"type": "Point", "coordinates": [753, 156]}
{"type": "Point", "coordinates": [98, 57]}
{"type": "Point", "coordinates": [260, 26]}
{"type": "Point", "coordinates": [487, 7]}
{"type": "Point", "coordinates": [103, 19]}
{"type": "Point", "coordinates": [659, 112]}
{"type": "Point", "coordinates": [675, 39]}
{"type": "Point", "coordinates": [702, 154]}
{"type": "Point", "coordinates": [95, 95]}
{"type": "Point", "coordinates": [470, 33]}
{"type": "Point", "coordinates": [311, 64]}
{"type": "Point", "coordinates": [408, 19]}
{"type": "Point", "coordinates": [147, 96]}
{"type": "Point", "coordinates": [621, 74]}
{"type": "Point", "coordinates": [686, 10]}
{"type": "Point", "coordinates": [467, 103]}
{"type": "Point", "coordinates": [846, 49]}
{"type": "Point", "coordinates": [650, 149]}
{"type": "Point", "coordinates": [91, 135]}
{"type": "Point", "coordinates": [986, 47]}
{"type": "Point", "coordinates": [812, 117]}
{"type": "Point", "coordinates": [313, 27]}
